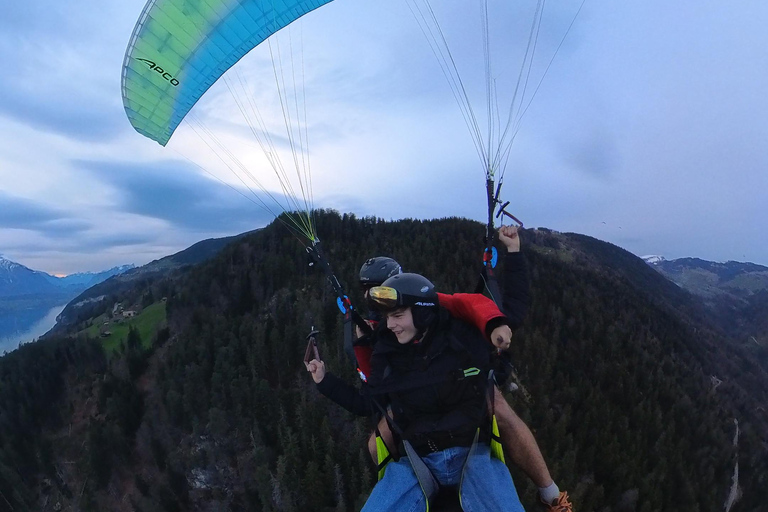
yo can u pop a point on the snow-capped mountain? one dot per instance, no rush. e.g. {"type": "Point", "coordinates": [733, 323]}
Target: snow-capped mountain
{"type": "Point", "coordinates": [17, 280]}
{"type": "Point", "coordinates": [653, 259]}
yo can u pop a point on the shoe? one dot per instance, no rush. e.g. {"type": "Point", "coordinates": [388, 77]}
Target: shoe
{"type": "Point", "coordinates": [561, 504]}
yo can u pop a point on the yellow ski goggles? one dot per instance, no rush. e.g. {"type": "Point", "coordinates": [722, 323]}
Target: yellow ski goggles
{"type": "Point", "coordinates": [383, 297]}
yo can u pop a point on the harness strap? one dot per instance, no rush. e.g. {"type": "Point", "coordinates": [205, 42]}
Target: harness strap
{"type": "Point", "coordinates": [383, 455]}
{"type": "Point", "coordinates": [349, 337]}
{"type": "Point", "coordinates": [429, 485]}
{"type": "Point", "coordinates": [427, 481]}
{"type": "Point", "coordinates": [487, 281]}
{"type": "Point", "coordinates": [497, 449]}
{"type": "Point", "coordinates": [472, 450]}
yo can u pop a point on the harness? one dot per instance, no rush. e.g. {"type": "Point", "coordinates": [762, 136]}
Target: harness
{"type": "Point", "coordinates": [427, 481]}
{"type": "Point", "coordinates": [489, 431]}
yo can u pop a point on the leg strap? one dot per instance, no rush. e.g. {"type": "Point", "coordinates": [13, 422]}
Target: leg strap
{"type": "Point", "coordinates": [427, 481]}
{"type": "Point", "coordinates": [383, 455]}
{"type": "Point", "coordinates": [497, 450]}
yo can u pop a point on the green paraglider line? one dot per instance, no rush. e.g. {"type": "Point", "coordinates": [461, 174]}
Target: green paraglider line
{"type": "Point", "coordinates": [296, 225]}
{"type": "Point", "coordinates": [268, 148]}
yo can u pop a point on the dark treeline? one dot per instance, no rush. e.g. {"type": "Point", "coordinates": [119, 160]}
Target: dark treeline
{"type": "Point", "coordinates": [614, 370]}
{"type": "Point", "coordinates": [36, 381]}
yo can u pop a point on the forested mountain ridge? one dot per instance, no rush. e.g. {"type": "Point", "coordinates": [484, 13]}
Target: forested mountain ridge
{"type": "Point", "coordinates": [96, 299]}
{"type": "Point", "coordinates": [219, 413]}
{"type": "Point", "coordinates": [709, 278]}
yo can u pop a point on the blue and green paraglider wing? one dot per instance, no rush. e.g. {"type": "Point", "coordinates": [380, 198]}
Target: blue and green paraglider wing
{"type": "Point", "coordinates": [179, 48]}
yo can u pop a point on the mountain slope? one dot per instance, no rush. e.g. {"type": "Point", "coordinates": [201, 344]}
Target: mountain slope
{"type": "Point", "coordinates": [100, 297]}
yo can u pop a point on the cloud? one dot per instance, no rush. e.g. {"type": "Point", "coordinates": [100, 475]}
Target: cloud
{"type": "Point", "coordinates": [65, 228]}
{"type": "Point", "coordinates": [176, 193]}
{"type": "Point", "coordinates": [592, 152]}
{"type": "Point", "coordinates": [21, 213]}
{"type": "Point", "coordinates": [65, 63]}
{"type": "Point", "coordinates": [59, 112]}
{"type": "Point", "coordinates": [109, 241]}
{"type": "Point", "coordinates": [58, 88]}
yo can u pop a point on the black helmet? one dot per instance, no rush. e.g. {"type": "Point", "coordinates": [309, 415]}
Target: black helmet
{"type": "Point", "coordinates": [408, 290]}
{"type": "Point", "coordinates": [377, 270]}
{"type": "Point", "coordinates": [412, 290]}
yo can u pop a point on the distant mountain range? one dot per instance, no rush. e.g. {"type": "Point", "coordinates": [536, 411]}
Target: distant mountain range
{"type": "Point", "coordinates": [736, 293]}
{"type": "Point", "coordinates": [88, 279]}
{"type": "Point", "coordinates": [711, 279]}
{"type": "Point", "coordinates": [16, 280]}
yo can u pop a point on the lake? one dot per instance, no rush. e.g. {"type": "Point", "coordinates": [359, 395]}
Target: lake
{"type": "Point", "coordinates": [27, 327]}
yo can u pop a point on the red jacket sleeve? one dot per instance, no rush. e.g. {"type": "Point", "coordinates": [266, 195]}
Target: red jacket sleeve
{"type": "Point", "coordinates": [473, 308]}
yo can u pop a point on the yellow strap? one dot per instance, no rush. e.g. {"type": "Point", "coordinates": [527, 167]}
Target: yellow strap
{"type": "Point", "coordinates": [383, 456]}
{"type": "Point", "coordinates": [497, 450]}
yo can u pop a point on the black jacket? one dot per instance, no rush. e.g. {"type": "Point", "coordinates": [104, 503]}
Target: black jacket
{"type": "Point", "coordinates": [515, 288]}
{"type": "Point", "coordinates": [516, 300]}
{"type": "Point", "coordinates": [424, 384]}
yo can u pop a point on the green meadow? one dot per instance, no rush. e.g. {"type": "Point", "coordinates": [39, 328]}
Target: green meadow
{"type": "Point", "coordinates": [147, 323]}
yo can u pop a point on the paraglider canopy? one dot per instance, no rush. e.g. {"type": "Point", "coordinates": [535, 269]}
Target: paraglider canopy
{"type": "Point", "coordinates": [179, 48]}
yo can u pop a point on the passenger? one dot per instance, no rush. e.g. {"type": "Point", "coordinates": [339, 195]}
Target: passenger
{"type": "Point", "coordinates": [432, 371]}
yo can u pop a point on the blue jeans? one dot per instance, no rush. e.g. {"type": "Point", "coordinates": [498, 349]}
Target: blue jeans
{"type": "Point", "coordinates": [486, 486]}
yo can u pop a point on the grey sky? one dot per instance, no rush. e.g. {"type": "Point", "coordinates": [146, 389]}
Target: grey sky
{"type": "Point", "coordinates": [648, 131]}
